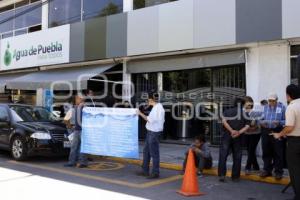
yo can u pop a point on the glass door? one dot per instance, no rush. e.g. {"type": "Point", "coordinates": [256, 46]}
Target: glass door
{"type": "Point", "coordinates": [228, 83]}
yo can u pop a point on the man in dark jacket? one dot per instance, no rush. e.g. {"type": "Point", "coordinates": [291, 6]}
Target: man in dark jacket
{"type": "Point", "coordinates": [234, 125]}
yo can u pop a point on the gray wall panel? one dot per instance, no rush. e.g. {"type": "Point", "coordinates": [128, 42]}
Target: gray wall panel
{"type": "Point", "coordinates": [291, 18]}
{"type": "Point", "coordinates": [95, 38]}
{"type": "Point", "coordinates": [143, 31]}
{"type": "Point", "coordinates": [77, 42]}
{"type": "Point", "coordinates": [258, 20]}
{"type": "Point", "coordinates": [176, 26]}
{"type": "Point", "coordinates": [214, 28]}
{"type": "Point", "coordinates": [116, 42]}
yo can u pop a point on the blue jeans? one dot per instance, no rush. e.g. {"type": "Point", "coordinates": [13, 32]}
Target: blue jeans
{"type": "Point", "coordinates": [151, 150]}
{"type": "Point", "coordinates": [75, 154]}
{"type": "Point", "coordinates": [229, 144]}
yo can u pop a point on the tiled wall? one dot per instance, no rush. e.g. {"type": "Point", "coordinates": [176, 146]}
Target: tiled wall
{"type": "Point", "coordinates": [184, 24]}
{"type": "Point", "coordinates": [214, 23]}
{"type": "Point", "coordinates": [142, 31]}
{"type": "Point", "coordinates": [291, 18]}
{"type": "Point", "coordinates": [258, 20]}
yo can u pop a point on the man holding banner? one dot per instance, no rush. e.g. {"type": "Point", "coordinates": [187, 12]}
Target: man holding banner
{"type": "Point", "coordinates": [154, 126]}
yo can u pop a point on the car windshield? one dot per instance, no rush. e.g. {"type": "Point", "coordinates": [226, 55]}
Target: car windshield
{"type": "Point", "coordinates": [31, 114]}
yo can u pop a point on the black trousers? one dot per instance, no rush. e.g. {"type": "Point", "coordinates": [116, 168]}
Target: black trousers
{"type": "Point", "coordinates": [273, 152]}
{"type": "Point", "coordinates": [251, 144]}
{"type": "Point", "coordinates": [293, 159]}
{"type": "Point", "coordinates": [235, 145]}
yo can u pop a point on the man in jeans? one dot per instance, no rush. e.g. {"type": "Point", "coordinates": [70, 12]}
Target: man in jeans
{"type": "Point", "coordinates": [154, 126]}
{"type": "Point", "coordinates": [75, 154]}
{"type": "Point", "coordinates": [235, 124]}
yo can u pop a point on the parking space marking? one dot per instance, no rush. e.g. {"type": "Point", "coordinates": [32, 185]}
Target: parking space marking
{"type": "Point", "coordinates": [102, 179]}
{"type": "Point", "coordinates": [104, 166]}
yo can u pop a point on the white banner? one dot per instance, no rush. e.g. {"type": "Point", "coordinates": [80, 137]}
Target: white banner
{"type": "Point", "coordinates": [46, 47]}
{"type": "Point", "coordinates": [110, 132]}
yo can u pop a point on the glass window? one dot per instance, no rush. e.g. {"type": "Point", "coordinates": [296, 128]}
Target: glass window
{"type": "Point", "coordinates": [145, 83]}
{"type": "Point", "coordinates": [3, 114]}
{"type": "Point", "coordinates": [30, 114]}
{"type": "Point", "coordinates": [187, 81]}
{"type": "Point", "coordinates": [6, 8]}
{"type": "Point", "coordinates": [6, 35]}
{"type": "Point", "coordinates": [34, 28]}
{"type": "Point", "coordinates": [6, 21]}
{"type": "Point", "coordinates": [96, 8]}
{"type": "Point", "coordinates": [21, 3]}
{"type": "Point", "coordinates": [64, 12]}
{"type": "Point", "coordinates": [33, 1]}
{"type": "Point", "coordinates": [29, 15]}
{"type": "Point", "coordinates": [146, 3]}
{"type": "Point", "coordinates": [21, 32]}
{"type": "Point", "coordinates": [295, 67]}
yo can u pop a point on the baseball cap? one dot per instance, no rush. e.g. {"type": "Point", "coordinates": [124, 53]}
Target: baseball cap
{"type": "Point", "coordinates": [272, 96]}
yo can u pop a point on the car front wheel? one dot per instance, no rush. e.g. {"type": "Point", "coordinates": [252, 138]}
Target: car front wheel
{"type": "Point", "coordinates": [18, 148]}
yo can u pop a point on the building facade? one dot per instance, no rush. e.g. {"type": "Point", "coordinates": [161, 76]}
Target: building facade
{"type": "Point", "coordinates": [198, 54]}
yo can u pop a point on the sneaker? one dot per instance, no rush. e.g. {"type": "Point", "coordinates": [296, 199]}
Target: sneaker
{"type": "Point", "coordinates": [142, 174]}
{"type": "Point", "coordinates": [265, 174]}
{"type": "Point", "coordinates": [153, 176]}
{"type": "Point", "coordinates": [278, 176]}
{"type": "Point", "coordinates": [82, 166]}
{"type": "Point", "coordinates": [69, 165]}
{"type": "Point", "coordinates": [222, 179]}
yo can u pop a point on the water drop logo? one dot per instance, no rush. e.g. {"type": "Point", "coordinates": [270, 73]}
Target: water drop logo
{"type": "Point", "coordinates": [7, 56]}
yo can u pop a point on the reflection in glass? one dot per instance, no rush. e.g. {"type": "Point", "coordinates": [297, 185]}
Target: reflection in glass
{"type": "Point", "coordinates": [146, 3]}
{"type": "Point", "coordinates": [32, 16]}
{"type": "Point", "coordinates": [98, 8]}
{"type": "Point", "coordinates": [206, 89]}
{"type": "Point", "coordinates": [6, 21]}
{"type": "Point", "coordinates": [6, 35]}
{"type": "Point", "coordinates": [21, 32]}
{"type": "Point", "coordinates": [64, 12]}
{"type": "Point", "coordinates": [295, 69]}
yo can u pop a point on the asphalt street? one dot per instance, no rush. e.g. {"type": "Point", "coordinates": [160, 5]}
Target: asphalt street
{"type": "Point", "coordinates": [46, 178]}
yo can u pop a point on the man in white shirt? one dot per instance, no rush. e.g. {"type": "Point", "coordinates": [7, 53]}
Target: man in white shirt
{"type": "Point", "coordinates": [154, 126]}
{"type": "Point", "coordinates": [292, 132]}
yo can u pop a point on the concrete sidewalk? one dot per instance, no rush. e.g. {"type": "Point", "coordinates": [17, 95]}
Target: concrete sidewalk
{"type": "Point", "coordinates": [174, 153]}
{"type": "Point", "coordinates": [172, 156]}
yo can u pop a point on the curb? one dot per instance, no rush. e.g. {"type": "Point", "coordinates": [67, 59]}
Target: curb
{"type": "Point", "coordinates": [212, 172]}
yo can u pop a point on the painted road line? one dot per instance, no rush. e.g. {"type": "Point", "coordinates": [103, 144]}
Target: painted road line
{"type": "Point", "coordinates": [213, 172]}
{"type": "Point", "coordinates": [102, 179]}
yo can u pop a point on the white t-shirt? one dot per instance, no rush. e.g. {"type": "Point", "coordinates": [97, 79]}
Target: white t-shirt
{"type": "Point", "coordinates": [292, 117]}
{"type": "Point", "coordinates": [156, 119]}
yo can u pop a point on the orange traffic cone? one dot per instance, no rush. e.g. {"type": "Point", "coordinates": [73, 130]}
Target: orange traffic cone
{"type": "Point", "coordinates": [190, 185]}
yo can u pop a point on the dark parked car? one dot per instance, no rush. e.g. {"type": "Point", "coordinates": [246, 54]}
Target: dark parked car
{"type": "Point", "coordinates": [28, 130]}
